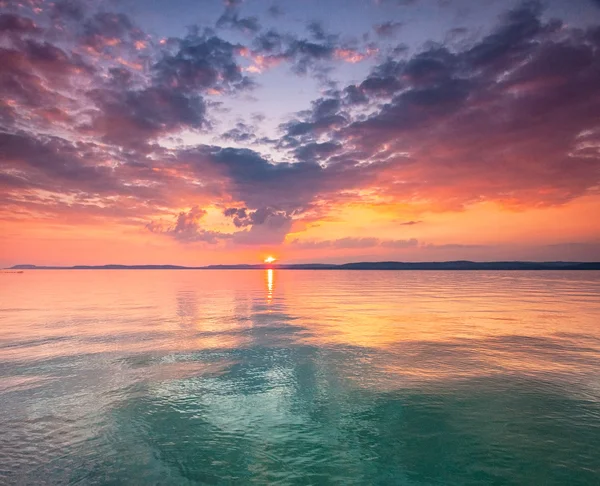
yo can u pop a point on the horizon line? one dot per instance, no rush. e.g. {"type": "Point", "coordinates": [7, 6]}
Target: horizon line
{"type": "Point", "coordinates": [354, 265]}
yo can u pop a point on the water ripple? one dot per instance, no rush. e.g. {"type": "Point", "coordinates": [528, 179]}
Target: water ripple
{"type": "Point", "coordinates": [320, 377]}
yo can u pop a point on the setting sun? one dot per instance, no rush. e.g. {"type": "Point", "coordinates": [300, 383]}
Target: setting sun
{"type": "Point", "coordinates": [270, 259]}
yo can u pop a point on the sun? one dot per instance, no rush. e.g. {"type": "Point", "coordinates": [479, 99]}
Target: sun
{"type": "Point", "coordinates": [270, 259]}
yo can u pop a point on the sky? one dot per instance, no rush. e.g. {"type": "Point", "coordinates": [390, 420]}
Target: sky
{"type": "Point", "coordinates": [200, 132]}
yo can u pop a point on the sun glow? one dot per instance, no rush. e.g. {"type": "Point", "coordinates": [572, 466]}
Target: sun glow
{"type": "Point", "coordinates": [270, 259]}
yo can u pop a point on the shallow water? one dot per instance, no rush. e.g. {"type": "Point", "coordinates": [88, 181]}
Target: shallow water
{"type": "Point", "coordinates": [300, 377]}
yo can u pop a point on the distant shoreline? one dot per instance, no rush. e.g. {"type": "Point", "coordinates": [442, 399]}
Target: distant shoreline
{"type": "Point", "coordinates": [451, 265]}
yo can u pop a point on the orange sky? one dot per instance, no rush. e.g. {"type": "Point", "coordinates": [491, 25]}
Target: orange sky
{"type": "Point", "coordinates": [481, 232]}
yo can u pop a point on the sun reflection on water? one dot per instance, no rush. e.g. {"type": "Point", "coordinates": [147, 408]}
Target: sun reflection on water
{"type": "Point", "coordinates": [269, 285]}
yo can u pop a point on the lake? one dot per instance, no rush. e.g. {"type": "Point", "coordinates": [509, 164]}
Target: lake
{"type": "Point", "coordinates": [300, 377]}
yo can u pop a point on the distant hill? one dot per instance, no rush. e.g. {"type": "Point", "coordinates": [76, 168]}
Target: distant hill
{"type": "Point", "coordinates": [455, 265]}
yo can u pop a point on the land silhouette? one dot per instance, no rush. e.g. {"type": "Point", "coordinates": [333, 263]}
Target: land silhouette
{"type": "Point", "coordinates": [386, 265]}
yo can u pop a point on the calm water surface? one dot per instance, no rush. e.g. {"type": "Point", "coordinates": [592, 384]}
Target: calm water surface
{"type": "Point", "coordinates": [300, 377]}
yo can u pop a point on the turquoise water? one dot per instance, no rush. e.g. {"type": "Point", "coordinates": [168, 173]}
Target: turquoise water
{"type": "Point", "coordinates": [300, 377]}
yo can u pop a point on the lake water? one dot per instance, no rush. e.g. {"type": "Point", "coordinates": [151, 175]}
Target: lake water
{"type": "Point", "coordinates": [300, 377]}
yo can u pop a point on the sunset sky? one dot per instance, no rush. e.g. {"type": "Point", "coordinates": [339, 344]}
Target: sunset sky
{"type": "Point", "coordinates": [196, 132]}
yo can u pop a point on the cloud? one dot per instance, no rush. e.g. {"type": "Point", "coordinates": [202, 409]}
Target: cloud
{"type": "Point", "coordinates": [68, 9]}
{"type": "Point", "coordinates": [106, 29]}
{"type": "Point", "coordinates": [511, 41]}
{"type": "Point", "coordinates": [187, 228]}
{"type": "Point", "coordinates": [231, 19]}
{"type": "Point", "coordinates": [305, 56]}
{"type": "Point", "coordinates": [315, 151]}
{"type": "Point", "coordinates": [99, 116]}
{"type": "Point", "coordinates": [350, 242]}
{"type": "Point", "coordinates": [385, 79]}
{"type": "Point", "coordinates": [55, 159]}
{"type": "Point", "coordinates": [243, 217]}
{"type": "Point", "coordinates": [354, 96]}
{"type": "Point", "coordinates": [266, 227]}
{"type": "Point", "coordinates": [352, 55]}
{"type": "Point", "coordinates": [12, 23]}
{"type": "Point", "coordinates": [452, 246]}
{"type": "Point", "coordinates": [35, 74]}
{"type": "Point", "coordinates": [241, 133]}
{"type": "Point", "coordinates": [387, 29]}
{"type": "Point", "coordinates": [400, 3]}
{"type": "Point", "coordinates": [411, 243]}
{"type": "Point", "coordinates": [325, 114]}
{"type": "Point", "coordinates": [259, 183]}
{"type": "Point", "coordinates": [173, 100]}
{"type": "Point", "coordinates": [318, 33]}
{"type": "Point", "coordinates": [201, 62]}
{"type": "Point", "coordinates": [130, 118]}
{"type": "Point", "coordinates": [497, 121]}
{"type": "Point", "coordinates": [275, 11]}
{"type": "Point", "coordinates": [260, 227]}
